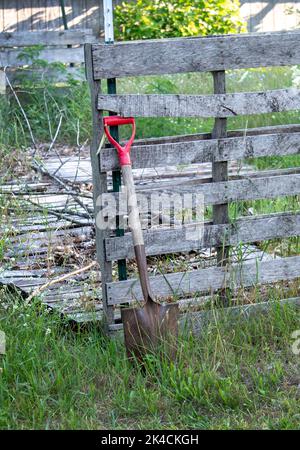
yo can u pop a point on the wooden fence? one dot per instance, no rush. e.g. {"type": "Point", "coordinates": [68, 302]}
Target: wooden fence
{"type": "Point", "coordinates": [57, 46]}
{"type": "Point", "coordinates": [214, 54]}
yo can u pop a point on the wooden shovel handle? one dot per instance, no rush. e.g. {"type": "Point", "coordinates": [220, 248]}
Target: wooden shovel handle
{"type": "Point", "coordinates": [137, 232]}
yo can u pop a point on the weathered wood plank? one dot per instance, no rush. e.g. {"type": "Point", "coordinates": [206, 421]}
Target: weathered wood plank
{"type": "Point", "coordinates": [220, 168]}
{"type": "Point", "coordinates": [217, 105]}
{"type": "Point", "coordinates": [195, 322]}
{"type": "Point", "coordinates": [246, 230]}
{"type": "Point", "coordinates": [205, 280]}
{"type": "Point", "coordinates": [17, 76]}
{"type": "Point", "coordinates": [290, 128]}
{"type": "Point", "coordinates": [204, 54]}
{"type": "Point", "coordinates": [205, 150]}
{"type": "Point", "coordinates": [71, 55]}
{"type": "Point", "coordinates": [65, 37]}
{"type": "Point", "coordinates": [254, 187]}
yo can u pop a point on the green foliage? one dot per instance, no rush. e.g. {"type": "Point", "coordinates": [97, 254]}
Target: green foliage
{"type": "Point", "coordinates": [148, 19]}
{"type": "Point", "coordinates": [52, 99]}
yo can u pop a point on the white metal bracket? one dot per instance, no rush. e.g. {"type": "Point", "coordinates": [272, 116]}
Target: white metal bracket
{"type": "Point", "coordinates": [108, 21]}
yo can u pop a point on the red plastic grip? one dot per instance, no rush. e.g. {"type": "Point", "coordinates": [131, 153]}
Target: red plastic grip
{"type": "Point", "coordinates": [123, 152]}
{"type": "Point", "coordinates": [114, 121]}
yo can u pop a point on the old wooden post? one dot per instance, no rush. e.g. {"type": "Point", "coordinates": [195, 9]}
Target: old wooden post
{"type": "Point", "coordinates": [220, 172]}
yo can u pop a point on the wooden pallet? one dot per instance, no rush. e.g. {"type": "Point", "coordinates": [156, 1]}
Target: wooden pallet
{"type": "Point", "coordinates": [219, 149]}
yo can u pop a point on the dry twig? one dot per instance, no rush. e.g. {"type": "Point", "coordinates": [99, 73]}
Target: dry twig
{"type": "Point", "coordinates": [40, 289]}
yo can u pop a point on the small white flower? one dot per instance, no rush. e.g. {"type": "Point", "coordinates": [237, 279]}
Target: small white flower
{"type": "Point", "coordinates": [48, 331]}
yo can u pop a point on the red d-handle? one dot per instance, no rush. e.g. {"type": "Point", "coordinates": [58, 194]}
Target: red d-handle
{"type": "Point", "coordinates": [123, 152]}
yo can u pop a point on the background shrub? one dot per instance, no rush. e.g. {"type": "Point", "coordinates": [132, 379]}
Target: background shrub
{"type": "Point", "coordinates": [150, 19]}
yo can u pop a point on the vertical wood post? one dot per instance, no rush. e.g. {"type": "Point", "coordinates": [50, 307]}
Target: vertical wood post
{"type": "Point", "coordinates": [99, 184]}
{"type": "Point", "coordinates": [220, 171]}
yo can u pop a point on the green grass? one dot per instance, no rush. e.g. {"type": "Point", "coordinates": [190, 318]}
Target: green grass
{"type": "Point", "coordinates": [244, 376]}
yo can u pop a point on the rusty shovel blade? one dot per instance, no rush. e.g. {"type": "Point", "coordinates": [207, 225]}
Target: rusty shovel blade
{"type": "Point", "coordinates": [150, 328]}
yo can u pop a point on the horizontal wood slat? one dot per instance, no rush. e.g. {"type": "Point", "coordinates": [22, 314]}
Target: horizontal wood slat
{"type": "Point", "coordinates": [253, 187]}
{"type": "Point", "coordinates": [71, 55]}
{"type": "Point", "coordinates": [291, 128]}
{"type": "Point", "coordinates": [205, 54]}
{"type": "Point", "coordinates": [246, 230]}
{"type": "Point", "coordinates": [205, 150]}
{"type": "Point", "coordinates": [17, 75]}
{"type": "Point", "coordinates": [216, 105]}
{"type": "Point", "coordinates": [195, 321]}
{"type": "Point", "coordinates": [213, 278]}
{"type": "Point", "coordinates": [64, 37]}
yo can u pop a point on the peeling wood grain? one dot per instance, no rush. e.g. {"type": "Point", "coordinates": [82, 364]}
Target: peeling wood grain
{"type": "Point", "coordinates": [62, 37]}
{"type": "Point", "coordinates": [246, 230]}
{"type": "Point", "coordinates": [204, 54]}
{"type": "Point", "coordinates": [205, 150]}
{"type": "Point", "coordinates": [206, 280]}
{"type": "Point", "coordinates": [216, 105]}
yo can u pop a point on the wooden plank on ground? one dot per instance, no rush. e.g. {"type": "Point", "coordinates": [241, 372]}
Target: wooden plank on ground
{"type": "Point", "coordinates": [188, 283]}
{"type": "Point", "coordinates": [216, 105]}
{"type": "Point", "coordinates": [204, 54]}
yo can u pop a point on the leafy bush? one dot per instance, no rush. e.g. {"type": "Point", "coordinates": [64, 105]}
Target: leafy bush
{"type": "Point", "coordinates": [150, 19]}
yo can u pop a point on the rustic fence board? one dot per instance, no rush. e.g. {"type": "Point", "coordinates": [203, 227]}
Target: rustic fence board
{"type": "Point", "coordinates": [217, 105]}
{"type": "Point", "coordinates": [206, 54]}
{"type": "Point", "coordinates": [71, 55]}
{"type": "Point", "coordinates": [205, 150]}
{"type": "Point", "coordinates": [195, 322]}
{"type": "Point", "coordinates": [205, 280]}
{"type": "Point", "coordinates": [60, 38]}
{"type": "Point", "coordinates": [290, 128]}
{"type": "Point", "coordinates": [251, 188]}
{"type": "Point", "coordinates": [173, 240]}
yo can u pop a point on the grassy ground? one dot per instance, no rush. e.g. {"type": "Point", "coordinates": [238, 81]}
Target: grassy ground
{"type": "Point", "coordinates": [244, 376]}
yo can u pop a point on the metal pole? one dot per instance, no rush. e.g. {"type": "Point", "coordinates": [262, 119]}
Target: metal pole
{"type": "Point", "coordinates": [63, 13]}
{"type": "Point", "coordinates": [112, 89]}
{"type": "Point", "coordinates": [65, 22]}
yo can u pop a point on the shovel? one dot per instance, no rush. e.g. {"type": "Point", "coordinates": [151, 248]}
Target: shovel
{"type": "Point", "coordinates": [152, 326]}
